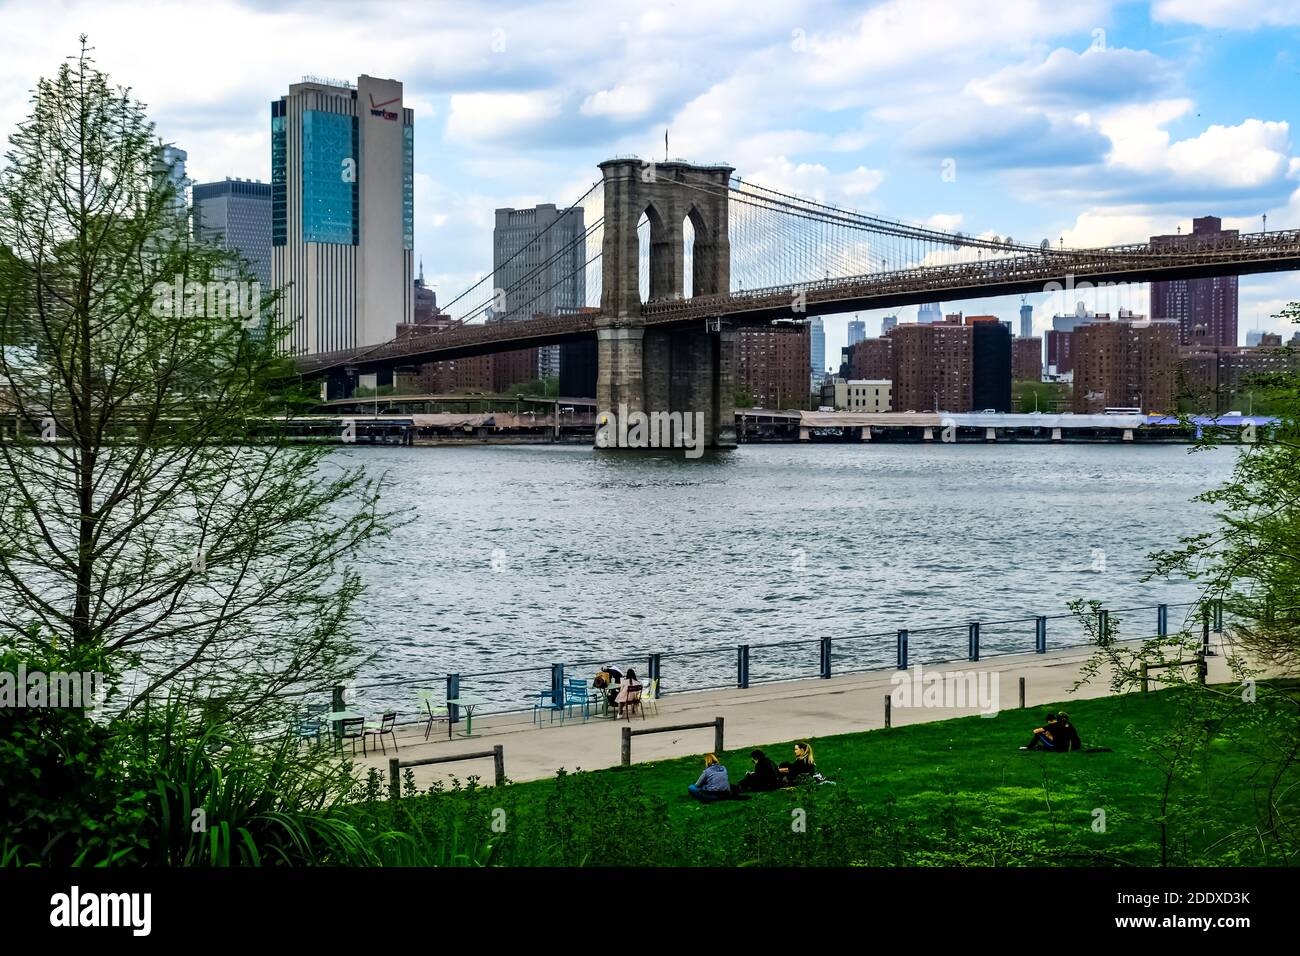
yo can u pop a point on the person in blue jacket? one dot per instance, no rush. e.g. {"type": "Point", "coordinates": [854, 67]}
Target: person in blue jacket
{"type": "Point", "coordinates": [713, 783]}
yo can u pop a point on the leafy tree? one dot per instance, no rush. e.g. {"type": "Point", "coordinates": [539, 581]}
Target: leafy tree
{"type": "Point", "coordinates": [152, 518]}
{"type": "Point", "coordinates": [1251, 563]}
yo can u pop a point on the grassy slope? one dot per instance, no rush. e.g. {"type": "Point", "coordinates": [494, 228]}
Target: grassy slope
{"type": "Point", "coordinates": [951, 791]}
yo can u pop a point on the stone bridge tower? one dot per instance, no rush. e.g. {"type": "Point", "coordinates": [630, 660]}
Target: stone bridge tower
{"type": "Point", "coordinates": [687, 368]}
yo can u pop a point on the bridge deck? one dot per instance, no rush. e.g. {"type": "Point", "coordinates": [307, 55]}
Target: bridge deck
{"type": "Point", "coordinates": [1062, 269]}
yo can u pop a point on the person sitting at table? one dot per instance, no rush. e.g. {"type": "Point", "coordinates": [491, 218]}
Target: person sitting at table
{"type": "Point", "coordinates": [604, 681]}
{"type": "Point", "coordinates": [713, 783]}
{"type": "Point", "coordinates": [625, 691]}
{"type": "Point", "coordinates": [764, 776]}
{"type": "Point", "coordinates": [803, 765]}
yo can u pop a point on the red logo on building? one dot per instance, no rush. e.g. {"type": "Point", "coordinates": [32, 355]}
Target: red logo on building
{"type": "Point", "coordinates": [377, 109]}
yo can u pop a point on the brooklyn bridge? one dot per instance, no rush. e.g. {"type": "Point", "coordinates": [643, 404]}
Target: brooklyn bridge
{"type": "Point", "coordinates": [678, 255]}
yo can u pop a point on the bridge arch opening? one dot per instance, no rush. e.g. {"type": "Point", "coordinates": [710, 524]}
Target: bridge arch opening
{"type": "Point", "coordinates": [695, 253]}
{"type": "Point", "coordinates": [688, 260]}
{"type": "Point", "coordinates": [654, 256]}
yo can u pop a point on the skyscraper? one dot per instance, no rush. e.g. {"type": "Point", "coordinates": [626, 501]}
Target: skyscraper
{"type": "Point", "coordinates": [236, 215]}
{"type": "Point", "coordinates": [857, 331]}
{"type": "Point", "coordinates": [818, 357]}
{"type": "Point", "coordinates": [170, 166]}
{"type": "Point", "coordinates": [887, 323]}
{"type": "Point", "coordinates": [1026, 321]}
{"type": "Point", "coordinates": [538, 260]}
{"type": "Point", "coordinates": [342, 212]}
{"type": "Point", "coordinates": [1208, 304]}
{"type": "Point", "coordinates": [929, 313]}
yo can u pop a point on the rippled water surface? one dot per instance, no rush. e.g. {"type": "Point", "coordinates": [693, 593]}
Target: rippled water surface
{"type": "Point", "coordinates": [523, 556]}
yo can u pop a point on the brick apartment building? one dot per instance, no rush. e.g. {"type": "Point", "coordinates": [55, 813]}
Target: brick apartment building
{"type": "Point", "coordinates": [1208, 305]}
{"type": "Point", "coordinates": [931, 367]}
{"type": "Point", "coordinates": [479, 373]}
{"type": "Point", "coordinates": [772, 364]}
{"type": "Point", "coordinates": [870, 359]}
{"type": "Point", "coordinates": [1214, 379]}
{"type": "Point", "coordinates": [1027, 360]}
{"type": "Point", "coordinates": [1125, 363]}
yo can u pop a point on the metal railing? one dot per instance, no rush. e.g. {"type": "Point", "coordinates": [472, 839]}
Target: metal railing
{"type": "Point", "coordinates": [516, 691]}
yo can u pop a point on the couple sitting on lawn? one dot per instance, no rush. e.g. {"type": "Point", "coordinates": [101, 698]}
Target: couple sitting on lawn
{"type": "Point", "coordinates": [714, 783]}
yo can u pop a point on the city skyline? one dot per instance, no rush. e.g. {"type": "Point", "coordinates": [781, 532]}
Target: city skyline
{"type": "Point", "coordinates": [1108, 122]}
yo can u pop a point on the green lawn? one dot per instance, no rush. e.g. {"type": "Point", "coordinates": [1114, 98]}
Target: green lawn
{"type": "Point", "coordinates": [956, 791]}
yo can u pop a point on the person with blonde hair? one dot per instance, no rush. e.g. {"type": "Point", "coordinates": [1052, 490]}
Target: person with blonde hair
{"type": "Point", "coordinates": [803, 765]}
{"type": "Point", "coordinates": [713, 783]}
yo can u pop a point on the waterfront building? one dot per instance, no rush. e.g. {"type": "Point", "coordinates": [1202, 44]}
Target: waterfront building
{"type": "Point", "coordinates": [1209, 303]}
{"type": "Point", "coordinates": [1216, 379]}
{"type": "Point", "coordinates": [868, 395]}
{"type": "Point", "coordinates": [931, 367]}
{"type": "Point", "coordinates": [871, 359]}
{"type": "Point", "coordinates": [772, 365]}
{"type": "Point", "coordinates": [342, 212]}
{"type": "Point", "coordinates": [1128, 362]}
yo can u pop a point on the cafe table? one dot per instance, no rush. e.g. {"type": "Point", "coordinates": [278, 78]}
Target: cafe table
{"type": "Point", "coordinates": [468, 702]}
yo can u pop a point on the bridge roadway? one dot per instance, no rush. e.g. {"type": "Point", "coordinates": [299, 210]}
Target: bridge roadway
{"type": "Point", "coordinates": [1047, 270]}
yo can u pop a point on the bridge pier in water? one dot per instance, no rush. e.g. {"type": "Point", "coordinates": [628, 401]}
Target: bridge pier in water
{"type": "Point", "coordinates": [684, 369]}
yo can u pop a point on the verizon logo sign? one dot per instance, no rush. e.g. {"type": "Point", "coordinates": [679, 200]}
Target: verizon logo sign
{"type": "Point", "coordinates": [377, 109]}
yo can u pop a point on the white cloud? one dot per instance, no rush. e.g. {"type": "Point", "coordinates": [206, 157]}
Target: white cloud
{"type": "Point", "coordinates": [1230, 14]}
{"type": "Point", "coordinates": [946, 221]}
{"type": "Point", "coordinates": [622, 102]}
{"type": "Point", "coordinates": [1249, 154]}
{"type": "Point", "coordinates": [1097, 75]}
{"type": "Point", "coordinates": [1137, 139]}
{"type": "Point", "coordinates": [484, 117]}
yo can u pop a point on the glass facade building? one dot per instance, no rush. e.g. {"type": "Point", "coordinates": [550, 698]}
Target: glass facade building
{"type": "Point", "coordinates": [329, 180]}
{"type": "Point", "coordinates": [342, 212]}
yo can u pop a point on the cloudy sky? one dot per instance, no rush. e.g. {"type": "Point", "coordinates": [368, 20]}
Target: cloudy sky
{"type": "Point", "coordinates": [1095, 121]}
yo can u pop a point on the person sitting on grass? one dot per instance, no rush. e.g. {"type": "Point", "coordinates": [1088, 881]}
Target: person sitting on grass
{"type": "Point", "coordinates": [713, 783]}
{"type": "Point", "coordinates": [803, 765]}
{"type": "Point", "coordinates": [1065, 736]}
{"type": "Point", "coordinates": [1044, 737]}
{"type": "Point", "coordinates": [764, 776]}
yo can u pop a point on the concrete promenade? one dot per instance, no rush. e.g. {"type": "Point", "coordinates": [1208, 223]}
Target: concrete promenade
{"type": "Point", "coordinates": [757, 716]}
